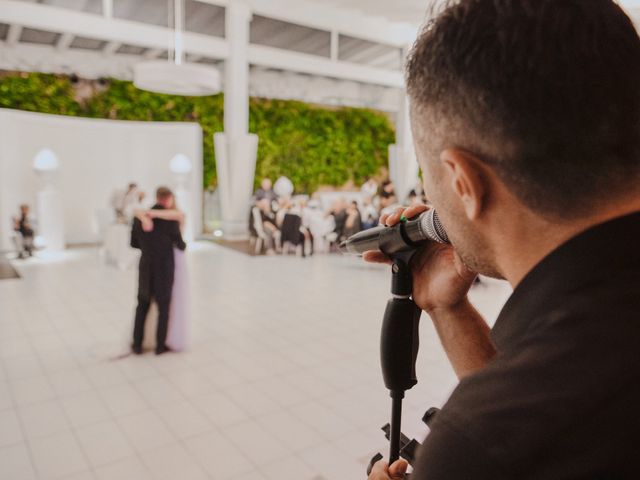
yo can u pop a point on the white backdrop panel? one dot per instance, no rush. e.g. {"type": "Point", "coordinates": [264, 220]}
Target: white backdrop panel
{"type": "Point", "coordinates": [96, 156]}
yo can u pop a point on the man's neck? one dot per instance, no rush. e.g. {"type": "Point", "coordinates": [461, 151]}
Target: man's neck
{"type": "Point", "coordinates": [530, 240]}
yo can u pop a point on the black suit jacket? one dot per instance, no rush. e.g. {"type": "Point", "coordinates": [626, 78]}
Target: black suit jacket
{"type": "Point", "coordinates": [157, 245]}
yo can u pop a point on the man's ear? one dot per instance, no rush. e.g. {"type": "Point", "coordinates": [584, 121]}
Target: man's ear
{"type": "Point", "coordinates": [466, 175]}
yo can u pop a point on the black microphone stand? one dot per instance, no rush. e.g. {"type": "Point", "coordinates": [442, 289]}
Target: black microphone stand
{"type": "Point", "coordinates": [399, 343]}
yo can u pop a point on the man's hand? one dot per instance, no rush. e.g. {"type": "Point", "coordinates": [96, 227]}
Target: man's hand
{"type": "Point", "coordinates": [147, 223]}
{"type": "Point", "coordinates": [382, 471]}
{"type": "Point", "coordinates": [440, 279]}
{"type": "Point", "coordinates": [440, 285]}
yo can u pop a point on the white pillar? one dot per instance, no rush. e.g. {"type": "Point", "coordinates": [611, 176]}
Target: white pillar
{"type": "Point", "coordinates": [236, 149]}
{"type": "Point", "coordinates": [403, 167]}
{"type": "Point", "coordinates": [236, 69]}
{"type": "Point", "coordinates": [50, 218]}
{"type": "Point", "coordinates": [181, 168]}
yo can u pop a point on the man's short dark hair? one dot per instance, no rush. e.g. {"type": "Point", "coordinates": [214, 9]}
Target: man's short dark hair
{"type": "Point", "coordinates": [547, 92]}
{"type": "Point", "coordinates": [162, 193]}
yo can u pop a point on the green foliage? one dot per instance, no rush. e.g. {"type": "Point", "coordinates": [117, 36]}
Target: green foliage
{"type": "Point", "coordinates": [316, 146]}
{"type": "Point", "coordinates": [311, 145]}
{"type": "Point", "coordinates": [38, 93]}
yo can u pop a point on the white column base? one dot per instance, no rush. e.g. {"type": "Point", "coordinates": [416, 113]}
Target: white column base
{"type": "Point", "coordinates": [50, 221]}
{"type": "Point", "coordinates": [236, 164]}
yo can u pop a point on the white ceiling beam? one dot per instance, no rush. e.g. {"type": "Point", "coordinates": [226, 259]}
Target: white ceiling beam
{"type": "Point", "coordinates": [46, 17]}
{"type": "Point", "coordinates": [13, 35]}
{"type": "Point", "coordinates": [111, 47]}
{"type": "Point", "coordinates": [64, 41]}
{"type": "Point", "coordinates": [55, 19]}
{"type": "Point", "coordinates": [313, 65]}
{"type": "Point", "coordinates": [29, 57]}
{"type": "Point", "coordinates": [316, 14]}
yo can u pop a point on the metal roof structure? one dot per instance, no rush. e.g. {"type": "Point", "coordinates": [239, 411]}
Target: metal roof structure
{"type": "Point", "coordinates": [354, 40]}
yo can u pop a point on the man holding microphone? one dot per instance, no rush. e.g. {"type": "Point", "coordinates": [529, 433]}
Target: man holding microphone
{"type": "Point", "coordinates": [526, 122]}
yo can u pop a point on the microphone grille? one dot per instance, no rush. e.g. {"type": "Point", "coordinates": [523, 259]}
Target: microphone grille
{"type": "Point", "coordinates": [433, 228]}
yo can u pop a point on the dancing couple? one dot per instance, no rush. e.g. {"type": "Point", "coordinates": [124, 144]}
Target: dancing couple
{"type": "Point", "coordinates": [162, 273]}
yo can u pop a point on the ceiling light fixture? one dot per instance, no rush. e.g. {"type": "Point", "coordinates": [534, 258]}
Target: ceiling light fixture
{"type": "Point", "coordinates": [177, 77]}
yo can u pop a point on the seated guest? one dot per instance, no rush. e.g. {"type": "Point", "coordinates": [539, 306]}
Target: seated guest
{"type": "Point", "coordinates": [269, 225]}
{"type": "Point", "coordinates": [266, 191]}
{"type": "Point", "coordinates": [301, 208]}
{"type": "Point", "coordinates": [369, 214]}
{"type": "Point", "coordinates": [339, 213]}
{"type": "Point", "coordinates": [414, 199]}
{"type": "Point", "coordinates": [416, 194]}
{"type": "Point", "coordinates": [22, 227]}
{"type": "Point", "coordinates": [294, 226]}
{"type": "Point", "coordinates": [284, 207]}
{"type": "Point", "coordinates": [122, 199]}
{"type": "Point", "coordinates": [387, 194]}
{"type": "Point", "coordinates": [135, 206]}
{"type": "Point", "coordinates": [369, 187]}
{"type": "Point", "coordinates": [353, 221]}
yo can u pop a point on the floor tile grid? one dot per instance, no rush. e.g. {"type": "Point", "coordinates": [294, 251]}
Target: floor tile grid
{"type": "Point", "coordinates": [330, 331]}
{"type": "Point", "coordinates": [73, 430]}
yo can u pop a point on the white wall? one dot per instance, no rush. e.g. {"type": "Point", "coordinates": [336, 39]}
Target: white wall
{"type": "Point", "coordinates": [96, 156]}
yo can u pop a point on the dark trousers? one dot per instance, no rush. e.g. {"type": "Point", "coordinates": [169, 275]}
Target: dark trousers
{"type": "Point", "coordinates": [27, 240]}
{"type": "Point", "coordinates": [155, 282]}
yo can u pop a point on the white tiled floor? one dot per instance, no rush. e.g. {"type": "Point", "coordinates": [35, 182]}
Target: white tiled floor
{"type": "Point", "coordinates": [281, 382]}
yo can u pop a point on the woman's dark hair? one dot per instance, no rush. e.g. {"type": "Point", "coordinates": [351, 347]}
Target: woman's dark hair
{"type": "Point", "coordinates": [547, 92]}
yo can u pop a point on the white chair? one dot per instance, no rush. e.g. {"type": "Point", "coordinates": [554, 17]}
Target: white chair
{"type": "Point", "coordinates": [259, 237]}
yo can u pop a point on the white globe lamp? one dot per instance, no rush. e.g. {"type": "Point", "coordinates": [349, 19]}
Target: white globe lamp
{"type": "Point", "coordinates": [180, 164]}
{"type": "Point", "coordinates": [45, 161]}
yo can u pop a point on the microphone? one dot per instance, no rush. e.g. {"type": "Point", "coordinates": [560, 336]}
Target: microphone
{"type": "Point", "coordinates": [404, 236]}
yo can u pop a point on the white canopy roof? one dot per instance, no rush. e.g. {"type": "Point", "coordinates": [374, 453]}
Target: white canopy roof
{"type": "Point", "coordinates": [359, 40]}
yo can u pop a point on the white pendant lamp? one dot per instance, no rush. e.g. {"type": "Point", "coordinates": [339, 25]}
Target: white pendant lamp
{"type": "Point", "coordinates": [177, 77]}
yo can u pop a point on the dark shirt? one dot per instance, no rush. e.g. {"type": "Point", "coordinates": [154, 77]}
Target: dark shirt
{"type": "Point", "coordinates": [157, 245]}
{"type": "Point", "coordinates": [340, 219]}
{"type": "Point", "coordinates": [385, 194]}
{"type": "Point", "coordinates": [268, 194]}
{"type": "Point", "coordinates": [561, 399]}
{"type": "Point", "coordinates": [268, 218]}
{"type": "Point", "coordinates": [24, 226]}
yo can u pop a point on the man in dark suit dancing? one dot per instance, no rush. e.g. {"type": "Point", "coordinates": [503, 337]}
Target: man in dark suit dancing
{"type": "Point", "coordinates": [156, 241]}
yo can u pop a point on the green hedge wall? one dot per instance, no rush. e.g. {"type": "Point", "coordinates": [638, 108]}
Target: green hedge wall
{"type": "Point", "coordinates": [311, 145]}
